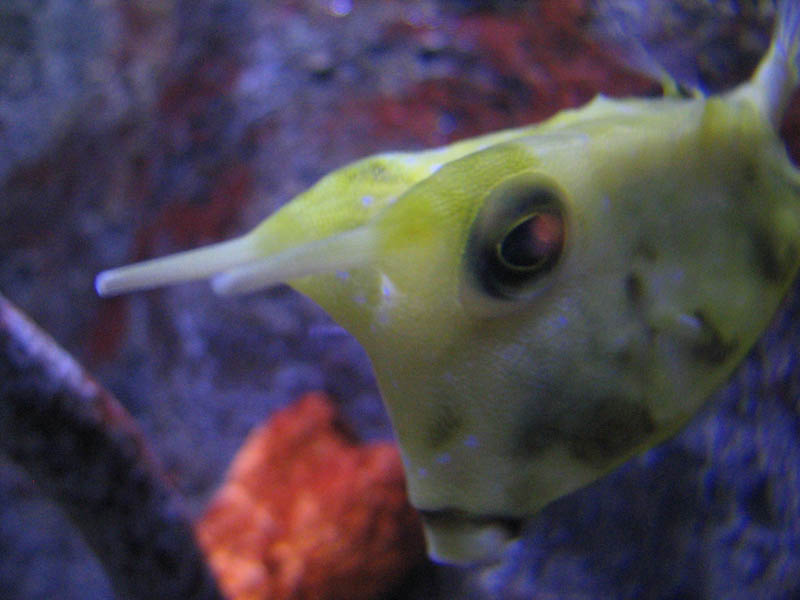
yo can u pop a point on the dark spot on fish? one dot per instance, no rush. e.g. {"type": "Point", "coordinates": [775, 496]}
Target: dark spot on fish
{"type": "Point", "coordinates": [773, 260]}
{"type": "Point", "coordinates": [635, 292]}
{"type": "Point", "coordinates": [377, 171]}
{"type": "Point", "coordinates": [624, 355]}
{"type": "Point", "coordinates": [634, 288]}
{"type": "Point", "coordinates": [644, 249]}
{"type": "Point", "coordinates": [609, 428]}
{"type": "Point", "coordinates": [374, 170]}
{"type": "Point", "coordinates": [749, 173]}
{"type": "Point", "coordinates": [535, 435]}
{"type": "Point", "coordinates": [604, 430]}
{"type": "Point", "coordinates": [444, 426]}
{"type": "Point", "coordinates": [710, 346]}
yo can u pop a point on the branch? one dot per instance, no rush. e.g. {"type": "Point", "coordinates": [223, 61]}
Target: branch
{"type": "Point", "coordinates": [85, 452]}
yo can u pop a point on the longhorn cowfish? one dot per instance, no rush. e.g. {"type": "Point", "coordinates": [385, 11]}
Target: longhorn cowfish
{"type": "Point", "coordinates": [540, 304]}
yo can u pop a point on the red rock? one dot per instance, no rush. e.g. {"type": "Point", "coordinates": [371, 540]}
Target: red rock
{"type": "Point", "coordinates": [307, 512]}
{"type": "Point", "coordinates": [541, 62]}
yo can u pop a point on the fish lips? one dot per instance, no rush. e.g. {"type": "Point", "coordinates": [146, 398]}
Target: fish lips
{"type": "Point", "coordinates": [461, 538]}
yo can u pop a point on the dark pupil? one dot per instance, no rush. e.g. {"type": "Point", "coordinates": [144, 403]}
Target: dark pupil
{"type": "Point", "coordinates": [533, 242]}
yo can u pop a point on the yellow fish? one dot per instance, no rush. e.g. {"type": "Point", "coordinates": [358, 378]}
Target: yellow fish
{"type": "Point", "coordinates": [540, 304]}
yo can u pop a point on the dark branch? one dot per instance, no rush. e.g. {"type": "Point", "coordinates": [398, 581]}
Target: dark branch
{"type": "Point", "coordinates": [85, 451]}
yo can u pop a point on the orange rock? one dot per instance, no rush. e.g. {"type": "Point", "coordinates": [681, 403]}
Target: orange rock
{"type": "Point", "coordinates": [308, 513]}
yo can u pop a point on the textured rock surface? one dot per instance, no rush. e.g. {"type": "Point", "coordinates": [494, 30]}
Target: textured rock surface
{"type": "Point", "coordinates": [230, 108]}
{"type": "Point", "coordinates": [305, 512]}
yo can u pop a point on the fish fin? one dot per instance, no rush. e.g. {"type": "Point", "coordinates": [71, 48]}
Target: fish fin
{"type": "Point", "coordinates": [778, 74]}
{"type": "Point", "coordinates": [692, 42]}
{"type": "Point", "coordinates": [612, 22]}
{"type": "Point", "coordinates": [787, 36]}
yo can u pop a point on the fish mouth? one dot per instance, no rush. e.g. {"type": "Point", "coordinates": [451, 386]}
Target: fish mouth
{"type": "Point", "coordinates": [458, 537]}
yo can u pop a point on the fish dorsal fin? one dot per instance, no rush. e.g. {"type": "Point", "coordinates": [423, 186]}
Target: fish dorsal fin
{"type": "Point", "coordinates": [687, 46]}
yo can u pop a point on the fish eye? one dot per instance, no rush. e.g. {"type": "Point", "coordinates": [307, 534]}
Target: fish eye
{"type": "Point", "coordinates": [533, 244]}
{"type": "Point", "coordinates": [516, 239]}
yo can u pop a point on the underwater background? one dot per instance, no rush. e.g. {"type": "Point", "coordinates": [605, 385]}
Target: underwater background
{"type": "Point", "coordinates": [134, 129]}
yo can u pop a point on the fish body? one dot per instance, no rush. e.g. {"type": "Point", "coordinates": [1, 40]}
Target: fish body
{"type": "Point", "coordinates": [542, 303]}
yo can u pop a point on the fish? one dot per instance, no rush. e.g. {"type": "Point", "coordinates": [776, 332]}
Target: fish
{"type": "Point", "coordinates": [541, 304]}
